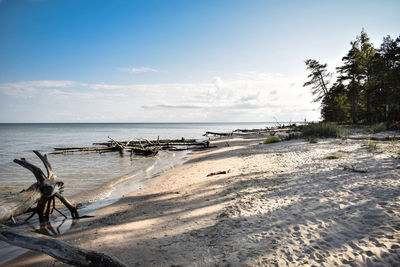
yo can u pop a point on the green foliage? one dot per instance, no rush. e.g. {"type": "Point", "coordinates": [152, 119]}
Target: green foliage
{"type": "Point", "coordinates": [337, 156]}
{"type": "Point", "coordinates": [321, 130]}
{"type": "Point", "coordinates": [394, 142]}
{"type": "Point", "coordinates": [371, 145]}
{"type": "Point", "coordinates": [271, 139]}
{"type": "Point", "coordinates": [318, 78]}
{"type": "Point", "coordinates": [291, 136]}
{"type": "Point", "coordinates": [367, 89]}
{"type": "Point", "coordinates": [377, 128]}
{"type": "Point", "coordinates": [312, 139]}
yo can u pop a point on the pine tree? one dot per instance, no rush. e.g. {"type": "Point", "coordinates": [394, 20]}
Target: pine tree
{"type": "Point", "coordinates": [319, 79]}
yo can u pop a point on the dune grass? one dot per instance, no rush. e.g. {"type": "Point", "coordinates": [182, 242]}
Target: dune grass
{"type": "Point", "coordinates": [312, 139]}
{"type": "Point", "coordinates": [271, 139]}
{"type": "Point", "coordinates": [371, 145]}
{"type": "Point", "coordinates": [332, 156]}
{"type": "Point", "coordinates": [322, 130]}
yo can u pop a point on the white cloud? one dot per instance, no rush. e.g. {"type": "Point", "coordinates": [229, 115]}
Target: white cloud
{"type": "Point", "coordinates": [248, 96]}
{"type": "Point", "coordinates": [29, 89]}
{"type": "Point", "coordinates": [138, 70]}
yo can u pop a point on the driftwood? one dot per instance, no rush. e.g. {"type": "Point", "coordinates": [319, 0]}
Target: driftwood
{"type": "Point", "coordinates": [374, 138]}
{"type": "Point", "coordinates": [58, 249]}
{"type": "Point", "coordinates": [266, 130]}
{"type": "Point", "coordinates": [219, 172]}
{"type": "Point", "coordinates": [39, 198]}
{"type": "Point", "coordinates": [157, 142]}
{"type": "Point", "coordinates": [220, 134]}
{"type": "Point", "coordinates": [143, 147]}
{"type": "Point", "coordinates": [353, 169]}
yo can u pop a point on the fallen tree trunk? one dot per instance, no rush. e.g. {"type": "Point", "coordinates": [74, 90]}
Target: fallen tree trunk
{"type": "Point", "coordinates": [142, 147]}
{"type": "Point", "coordinates": [58, 249]}
{"type": "Point", "coordinates": [375, 138]}
{"type": "Point", "coordinates": [221, 134]}
{"type": "Point", "coordinates": [21, 203]}
{"type": "Point", "coordinates": [156, 142]}
{"type": "Point", "coordinates": [38, 195]}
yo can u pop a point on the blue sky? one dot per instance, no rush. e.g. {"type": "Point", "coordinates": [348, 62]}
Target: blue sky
{"type": "Point", "coordinates": [135, 61]}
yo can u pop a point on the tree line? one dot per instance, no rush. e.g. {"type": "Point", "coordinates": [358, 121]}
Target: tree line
{"type": "Point", "coordinates": [367, 87]}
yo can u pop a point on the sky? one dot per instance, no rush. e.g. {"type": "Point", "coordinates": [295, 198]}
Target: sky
{"type": "Point", "coordinates": [174, 61]}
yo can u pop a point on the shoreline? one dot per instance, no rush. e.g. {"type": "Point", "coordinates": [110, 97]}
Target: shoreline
{"type": "Point", "coordinates": [281, 203]}
{"type": "Point", "coordinates": [93, 200]}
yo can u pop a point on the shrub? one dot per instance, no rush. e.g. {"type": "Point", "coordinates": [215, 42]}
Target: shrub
{"type": "Point", "coordinates": [376, 128]}
{"type": "Point", "coordinates": [312, 139]}
{"type": "Point", "coordinates": [321, 130]}
{"type": "Point", "coordinates": [371, 145]}
{"type": "Point", "coordinates": [291, 136]}
{"type": "Point", "coordinates": [333, 156]}
{"type": "Point", "coordinates": [271, 139]}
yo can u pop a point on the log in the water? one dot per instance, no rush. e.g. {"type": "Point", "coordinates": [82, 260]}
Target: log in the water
{"type": "Point", "coordinates": [58, 249]}
{"type": "Point", "coordinates": [143, 147]}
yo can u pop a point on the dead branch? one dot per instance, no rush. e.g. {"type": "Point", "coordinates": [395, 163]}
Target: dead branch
{"type": "Point", "coordinates": [353, 169]}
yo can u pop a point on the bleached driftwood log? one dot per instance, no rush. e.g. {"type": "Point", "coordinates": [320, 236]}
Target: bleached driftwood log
{"type": "Point", "coordinates": [38, 195]}
{"type": "Point", "coordinates": [35, 199]}
{"type": "Point", "coordinates": [58, 249]}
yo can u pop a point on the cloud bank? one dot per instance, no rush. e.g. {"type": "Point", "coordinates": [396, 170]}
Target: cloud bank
{"type": "Point", "coordinates": [247, 96]}
{"type": "Point", "coordinates": [138, 70]}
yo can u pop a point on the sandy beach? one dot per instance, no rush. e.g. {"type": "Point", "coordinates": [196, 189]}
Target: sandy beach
{"type": "Point", "coordinates": [280, 204]}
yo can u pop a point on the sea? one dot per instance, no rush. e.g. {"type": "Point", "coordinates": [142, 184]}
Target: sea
{"type": "Point", "coordinates": [94, 179]}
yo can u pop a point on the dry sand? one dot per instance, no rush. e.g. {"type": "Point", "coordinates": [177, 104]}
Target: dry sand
{"type": "Point", "coordinates": [281, 204]}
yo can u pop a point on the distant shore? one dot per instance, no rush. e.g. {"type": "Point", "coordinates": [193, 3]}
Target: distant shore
{"type": "Point", "coordinates": [288, 203]}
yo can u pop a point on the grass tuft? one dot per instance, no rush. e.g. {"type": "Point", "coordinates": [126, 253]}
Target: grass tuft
{"type": "Point", "coordinates": [377, 128]}
{"type": "Point", "coordinates": [371, 145]}
{"type": "Point", "coordinates": [312, 139]}
{"type": "Point", "coordinates": [271, 139]}
{"type": "Point", "coordinates": [337, 156]}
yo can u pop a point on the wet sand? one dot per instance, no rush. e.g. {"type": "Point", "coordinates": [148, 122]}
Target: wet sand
{"type": "Point", "coordinates": [281, 204]}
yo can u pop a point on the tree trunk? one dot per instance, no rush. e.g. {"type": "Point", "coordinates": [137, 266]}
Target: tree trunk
{"type": "Point", "coordinates": [20, 204]}
{"type": "Point", "coordinates": [354, 102]}
{"type": "Point", "coordinates": [58, 249]}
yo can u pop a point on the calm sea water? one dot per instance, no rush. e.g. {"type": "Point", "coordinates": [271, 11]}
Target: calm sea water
{"type": "Point", "coordinates": [87, 171]}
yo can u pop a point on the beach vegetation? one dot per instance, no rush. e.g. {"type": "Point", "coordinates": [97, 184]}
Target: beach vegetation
{"type": "Point", "coordinates": [312, 139]}
{"type": "Point", "coordinates": [344, 151]}
{"type": "Point", "coordinates": [291, 136]}
{"type": "Point", "coordinates": [371, 145]}
{"type": "Point", "coordinates": [271, 139]}
{"type": "Point", "coordinates": [334, 156]}
{"type": "Point", "coordinates": [394, 142]}
{"type": "Point", "coordinates": [367, 87]}
{"type": "Point", "coordinates": [377, 128]}
{"type": "Point", "coordinates": [321, 130]}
